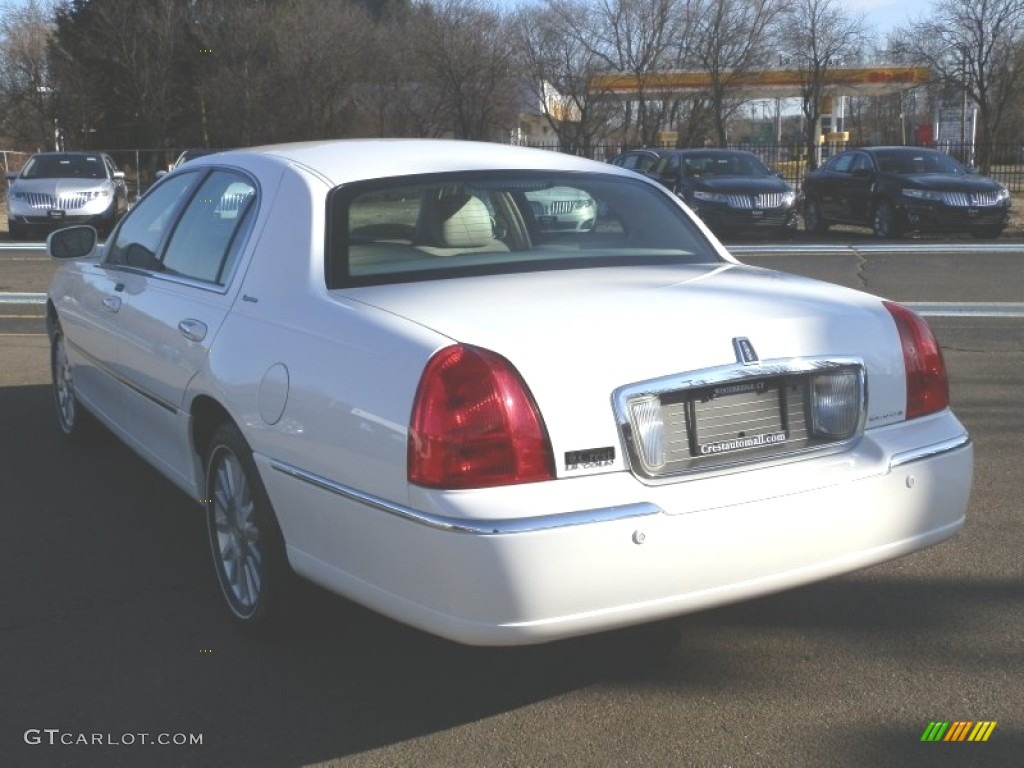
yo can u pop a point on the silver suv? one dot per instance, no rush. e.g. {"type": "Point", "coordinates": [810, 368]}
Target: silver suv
{"type": "Point", "coordinates": [58, 189]}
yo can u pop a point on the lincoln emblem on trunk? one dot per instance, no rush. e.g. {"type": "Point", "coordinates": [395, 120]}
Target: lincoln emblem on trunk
{"type": "Point", "coordinates": [745, 352]}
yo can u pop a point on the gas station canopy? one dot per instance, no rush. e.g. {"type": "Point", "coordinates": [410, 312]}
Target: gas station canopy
{"type": "Point", "coordinates": [770, 83]}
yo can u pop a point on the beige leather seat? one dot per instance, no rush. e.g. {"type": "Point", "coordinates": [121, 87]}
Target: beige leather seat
{"type": "Point", "coordinates": [455, 224]}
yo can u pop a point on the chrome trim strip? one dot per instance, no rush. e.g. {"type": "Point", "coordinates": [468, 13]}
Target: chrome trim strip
{"type": "Point", "coordinates": [490, 527]}
{"type": "Point", "coordinates": [167, 278]}
{"type": "Point", "coordinates": [928, 451]}
{"type": "Point", "coordinates": [727, 374]}
{"type": "Point", "coordinates": [155, 399]}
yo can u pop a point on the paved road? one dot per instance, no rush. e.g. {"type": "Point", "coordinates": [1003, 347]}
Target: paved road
{"type": "Point", "coordinates": [109, 623]}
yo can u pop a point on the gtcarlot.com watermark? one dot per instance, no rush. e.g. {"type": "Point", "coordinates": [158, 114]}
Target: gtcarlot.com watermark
{"type": "Point", "coordinates": [57, 737]}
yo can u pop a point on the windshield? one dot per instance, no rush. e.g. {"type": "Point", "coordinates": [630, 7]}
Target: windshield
{"type": "Point", "coordinates": [724, 164]}
{"type": "Point", "coordinates": [917, 161]}
{"type": "Point", "coordinates": [461, 224]}
{"type": "Point", "coordinates": [65, 167]}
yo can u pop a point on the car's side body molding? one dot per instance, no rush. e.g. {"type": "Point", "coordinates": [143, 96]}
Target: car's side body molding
{"type": "Point", "coordinates": [506, 526]}
{"type": "Point", "coordinates": [927, 451]}
{"type": "Point", "coordinates": [486, 527]}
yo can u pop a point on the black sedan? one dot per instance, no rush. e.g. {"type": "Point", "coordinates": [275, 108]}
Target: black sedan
{"type": "Point", "coordinates": [639, 160]}
{"type": "Point", "coordinates": [732, 191]}
{"type": "Point", "coordinates": [895, 190]}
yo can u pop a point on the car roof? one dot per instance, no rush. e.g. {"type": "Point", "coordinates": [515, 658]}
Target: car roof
{"type": "Point", "coordinates": [872, 150]}
{"type": "Point", "coordinates": [646, 151]}
{"type": "Point", "coordinates": [710, 151]}
{"type": "Point", "coordinates": [79, 153]}
{"type": "Point", "coordinates": [346, 160]}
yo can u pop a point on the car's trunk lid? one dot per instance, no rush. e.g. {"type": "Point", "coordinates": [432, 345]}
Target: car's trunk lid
{"type": "Point", "coordinates": [576, 336]}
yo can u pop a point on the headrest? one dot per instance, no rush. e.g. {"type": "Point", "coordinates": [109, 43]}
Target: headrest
{"type": "Point", "coordinates": [468, 225]}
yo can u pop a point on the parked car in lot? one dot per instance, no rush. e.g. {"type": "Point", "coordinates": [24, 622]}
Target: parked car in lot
{"type": "Point", "coordinates": [375, 368]}
{"type": "Point", "coordinates": [192, 154]}
{"type": "Point", "coordinates": [560, 209]}
{"type": "Point", "coordinates": [731, 190]}
{"type": "Point", "coordinates": [639, 160]}
{"type": "Point", "coordinates": [57, 189]}
{"type": "Point", "coordinates": [894, 190]}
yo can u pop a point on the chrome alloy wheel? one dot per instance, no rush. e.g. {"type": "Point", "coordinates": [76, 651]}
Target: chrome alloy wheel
{"type": "Point", "coordinates": [235, 533]}
{"type": "Point", "coordinates": [63, 386]}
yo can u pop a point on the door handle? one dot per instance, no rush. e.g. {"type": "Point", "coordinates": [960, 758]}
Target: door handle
{"type": "Point", "coordinates": [113, 303]}
{"type": "Point", "coordinates": [193, 330]}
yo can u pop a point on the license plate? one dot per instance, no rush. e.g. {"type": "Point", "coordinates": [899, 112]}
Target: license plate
{"type": "Point", "coordinates": [547, 219]}
{"type": "Point", "coordinates": [55, 214]}
{"type": "Point", "coordinates": [757, 213]}
{"type": "Point", "coordinates": [739, 416]}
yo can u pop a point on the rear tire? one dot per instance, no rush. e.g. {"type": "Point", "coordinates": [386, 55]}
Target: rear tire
{"type": "Point", "coordinates": [245, 541]}
{"type": "Point", "coordinates": [814, 223]}
{"type": "Point", "coordinates": [74, 421]}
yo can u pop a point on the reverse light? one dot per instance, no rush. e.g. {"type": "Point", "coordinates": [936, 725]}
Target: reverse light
{"type": "Point", "coordinates": [474, 424]}
{"type": "Point", "coordinates": [649, 427]}
{"type": "Point", "coordinates": [927, 382]}
{"type": "Point", "coordinates": [835, 404]}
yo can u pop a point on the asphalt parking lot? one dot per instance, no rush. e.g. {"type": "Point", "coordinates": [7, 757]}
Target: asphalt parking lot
{"type": "Point", "coordinates": [110, 625]}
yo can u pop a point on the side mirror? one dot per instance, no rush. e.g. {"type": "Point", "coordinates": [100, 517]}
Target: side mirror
{"type": "Point", "coordinates": [71, 242]}
{"type": "Point", "coordinates": [10, 176]}
{"type": "Point", "coordinates": [119, 175]}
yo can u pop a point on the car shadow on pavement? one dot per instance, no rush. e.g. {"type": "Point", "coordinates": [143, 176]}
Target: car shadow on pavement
{"type": "Point", "coordinates": [110, 617]}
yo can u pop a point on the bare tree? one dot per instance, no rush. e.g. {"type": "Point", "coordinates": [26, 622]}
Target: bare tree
{"type": "Point", "coordinates": [27, 107]}
{"type": "Point", "coordinates": [463, 48]}
{"type": "Point", "coordinates": [128, 58]}
{"type": "Point", "coordinates": [559, 70]}
{"type": "Point", "coordinates": [975, 48]}
{"type": "Point", "coordinates": [638, 38]}
{"type": "Point", "coordinates": [734, 37]}
{"type": "Point", "coordinates": [818, 36]}
{"type": "Point", "coordinates": [321, 50]}
{"type": "Point", "coordinates": [395, 99]}
{"type": "Point", "coordinates": [233, 87]}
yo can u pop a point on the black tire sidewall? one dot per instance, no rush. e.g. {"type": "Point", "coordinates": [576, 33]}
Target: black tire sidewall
{"type": "Point", "coordinates": [814, 223]}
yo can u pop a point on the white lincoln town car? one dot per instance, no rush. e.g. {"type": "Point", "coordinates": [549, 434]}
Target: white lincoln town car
{"type": "Point", "coordinates": [376, 367]}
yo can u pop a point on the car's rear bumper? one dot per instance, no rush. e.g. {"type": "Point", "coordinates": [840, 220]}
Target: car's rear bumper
{"type": "Point", "coordinates": [625, 553]}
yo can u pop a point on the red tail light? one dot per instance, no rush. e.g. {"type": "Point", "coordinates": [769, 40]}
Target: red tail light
{"type": "Point", "coordinates": [474, 424]}
{"type": "Point", "coordinates": [927, 384]}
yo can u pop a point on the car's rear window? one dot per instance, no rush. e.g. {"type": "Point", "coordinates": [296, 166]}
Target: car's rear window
{"type": "Point", "coordinates": [461, 224]}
